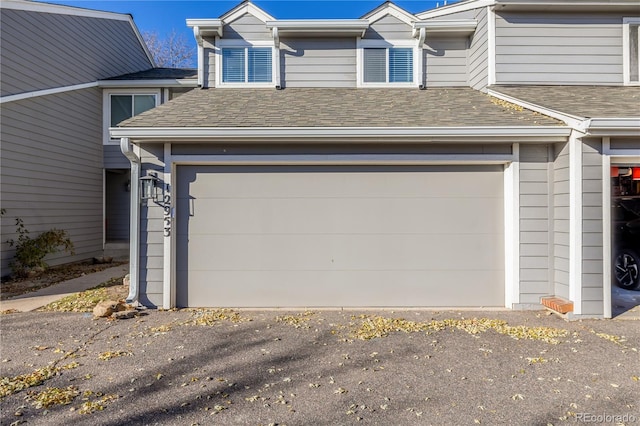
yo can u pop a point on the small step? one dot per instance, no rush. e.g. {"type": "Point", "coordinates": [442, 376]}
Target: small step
{"type": "Point", "coordinates": [557, 304]}
{"type": "Point", "coordinates": [117, 249]}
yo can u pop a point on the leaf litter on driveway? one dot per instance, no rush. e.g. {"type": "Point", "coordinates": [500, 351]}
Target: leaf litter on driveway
{"type": "Point", "coordinates": [321, 367]}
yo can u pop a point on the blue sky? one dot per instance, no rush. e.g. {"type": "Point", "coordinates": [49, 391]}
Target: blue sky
{"type": "Point", "coordinates": [163, 16]}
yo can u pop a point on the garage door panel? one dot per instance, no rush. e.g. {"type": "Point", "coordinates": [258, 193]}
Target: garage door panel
{"type": "Point", "coordinates": [337, 181]}
{"type": "Point", "coordinates": [340, 236]}
{"type": "Point", "coordinates": [338, 288]}
{"type": "Point", "coordinates": [335, 215]}
{"type": "Point", "coordinates": [341, 252]}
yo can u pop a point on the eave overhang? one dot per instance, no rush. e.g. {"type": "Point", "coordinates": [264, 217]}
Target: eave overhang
{"type": "Point", "coordinates": [543, 134]}
{"type": "Point", "coordinates": [143, 83]}
{"type": "Point", "coordinates": [569, 6]}
{"type": "Point", "coordinates": [205, 28]}
{"type": "Point", "coordinates": [320, 27]}
{"type": "Point", "coordinates": [464, 26]}
{"type": "Point", "coordinates": [614, 126]}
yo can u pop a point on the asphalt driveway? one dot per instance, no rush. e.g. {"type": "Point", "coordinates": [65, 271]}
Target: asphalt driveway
{"type": "Point", "coordinates": [318, 367]}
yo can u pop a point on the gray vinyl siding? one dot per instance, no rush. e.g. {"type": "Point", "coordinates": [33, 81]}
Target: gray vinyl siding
{"type": "Point", "coordinates": [535, 214]}
{"type": "Point", "coordinates": [561, 220]}
{"type": "Point", "coordinates": [592, 235]}
{"type": "Point", "coordinates": [446, 61]}
{"type": "Point", "coordinates": [625, 143]}
{"type": "Point", "coordinates": [114, 159]}
{"type": "Point", "coordinates": [247, 27]}
{"type": "Point", "coordinates": [65, 50]}
{"type": "Point", "coordinates": [151, 233]}
{"type": "Point", "coordinates": [308, 62]}
{"type": "Point", "coordinates": [478, 52]}
{"type": "Point", "coordinates": [388, 28]}
{"type": "Point", "coordinates": [534, 48]}
{"type": "Point", "coordinates": [51, 170]}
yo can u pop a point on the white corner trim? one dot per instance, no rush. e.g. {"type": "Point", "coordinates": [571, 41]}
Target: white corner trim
{"type": "Point", "coordinates": [627, 22]}
{"type": "Point", "coordinates": [606, 229]}
{"type": "Point", "coordinates": [512, 229]}
{"type": "Point", "coordinates": [45, 92]}
{"type": "Point", "coordinates": [168, 295]}
{"type": "Point", "coordinates": [575, 222]}
{"type": "Point", "coordinates": [491, 46]}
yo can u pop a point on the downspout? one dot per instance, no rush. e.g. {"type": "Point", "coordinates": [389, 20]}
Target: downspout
{"type": "Point", "coordinates": [276, 43]}
{"type": "Point", "coordinates": [423, 72]}
{"type": "Point", "coordinates": [134, 220]}
{"type": "Point", "coordinates": [199, 41]}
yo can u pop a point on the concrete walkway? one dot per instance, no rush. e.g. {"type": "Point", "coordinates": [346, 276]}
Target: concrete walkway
{"type": "Point", "coordinates": [36, 299]}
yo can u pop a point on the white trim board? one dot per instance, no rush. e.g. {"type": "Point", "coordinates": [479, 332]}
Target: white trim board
{"type": "Point", "coordinates": [45, 92]}
{"type": "Point", "coordinates": [62, 10]}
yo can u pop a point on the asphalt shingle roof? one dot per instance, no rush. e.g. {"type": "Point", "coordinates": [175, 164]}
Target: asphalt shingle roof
{"type": "Point", "coordinates": [581, 101]}
{"type": "Point", "coordinates": [337, 107]}
{"type": "Point", "coordinates": [159, 74]}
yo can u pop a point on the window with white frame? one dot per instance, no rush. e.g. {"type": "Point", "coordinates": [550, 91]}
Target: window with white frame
{"type": "Point", "coordinates": [387, 65]}
{"type": "Point", "coordinates": [246, 65]}
{"type": "Point", "coordinates": [120, 105]}
{"type": "Point", "coordinates": [631, 50]}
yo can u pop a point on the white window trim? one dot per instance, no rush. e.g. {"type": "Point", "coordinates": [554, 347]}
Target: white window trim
{"type": "Point", "coordinates": [106, 109]}
{"type": "Point", "coordinates": [386, 44]}
{"type": "Point", "coordinates": [221, 44]}
{"type": "Point", "coordinates": [626, 23]}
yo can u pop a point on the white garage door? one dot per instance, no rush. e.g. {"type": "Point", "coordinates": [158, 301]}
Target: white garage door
{"type": "Point", "coordinates": [305, 236]}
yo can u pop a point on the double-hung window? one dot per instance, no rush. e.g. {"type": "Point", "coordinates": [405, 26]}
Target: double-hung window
{"type": "Point", "coordinates": [387, 66]}
{"type": "Point", "coordinates": [246, 65]}
{"type": "Point", "coordinates": [631, 46]}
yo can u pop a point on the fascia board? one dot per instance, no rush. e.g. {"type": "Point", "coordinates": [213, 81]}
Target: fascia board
{"type": "Point", "coordinates": [392, 10]}
{"type": "Point", "coordinates": [615, 126]}
{"type": "Point", "coordinates": [207, 27]}
{"type": "Point", "coordinates": [455, 8]}
{"type": "Point", "coordinates": [574, 121]}
{"type": "Point", "coordinates": [244, 8]}
{"type": "Point", "coordinates": [148, 83]}
{"type": "Point", "coordinates": [457, 25]}
{"type": "Point", "coordinates": [330, 27]}
{"type": "Point", "coordinates": [366, 134]}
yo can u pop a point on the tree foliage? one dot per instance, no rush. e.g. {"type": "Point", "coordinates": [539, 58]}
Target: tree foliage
{"type": "Point", "coordinates": [172, 50]}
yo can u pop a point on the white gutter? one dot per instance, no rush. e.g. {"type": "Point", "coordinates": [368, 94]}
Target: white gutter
{"type": "Point", "coordinates": [446, 26]}
{"type": "Point", "coordinates": [332, 27]}
{"type": "Point", "coordinates": [134, 238]}
{"type": "Point", "coordinates": [167, 82]}
{"type": "Point", "coordinates": [368, 134]}
{"type": "Point", "coordinates": [593, 126]}
{"type": "Point", "coordinates": [574, 121]}
{"type": "Point", "coordinates": [204, 28]}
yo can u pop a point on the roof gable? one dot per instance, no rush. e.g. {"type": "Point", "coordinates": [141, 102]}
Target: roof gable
{"type": "Point", "coordinates": [390, 9]}
{"type": "Point", "coordinates": [244, 8]}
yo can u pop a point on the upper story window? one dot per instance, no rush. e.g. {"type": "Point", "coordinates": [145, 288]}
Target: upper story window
{"type": "Point", "coordinates": [246, 65]}
{"type": "Point", "coordinates": [388, 65]}
{"type": "Point", "coordinates": [121, 104]}
{"type": "Point", "coordinates": [126, 106]}
{"type": "Point", "coordinates": [631, 46]}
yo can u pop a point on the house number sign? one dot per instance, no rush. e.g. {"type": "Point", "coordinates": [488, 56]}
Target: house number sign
{"type": "Point", "coordinates": [166, 205]}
